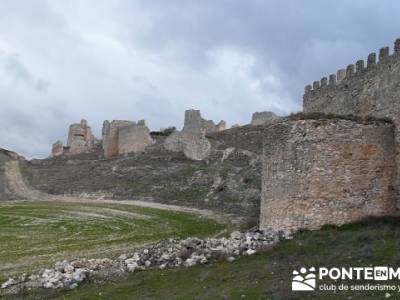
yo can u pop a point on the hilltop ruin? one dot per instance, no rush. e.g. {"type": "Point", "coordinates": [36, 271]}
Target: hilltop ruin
{"type": "Point", "coordinates": [123, 137]}
{"type": "Point", "coordinates": [192, 139]}
{"type": "Point", "coordinates": [335, 163]}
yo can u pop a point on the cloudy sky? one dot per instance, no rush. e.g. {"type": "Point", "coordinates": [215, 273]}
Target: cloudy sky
{"type": "Point", "coordinates": [64, 60]}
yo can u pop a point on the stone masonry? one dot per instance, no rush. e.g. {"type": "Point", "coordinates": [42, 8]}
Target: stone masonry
{"type": "Point", "coordinates": [373, 89]}
{"type": "Point", "coordinates": [57, 149]}
{"type": "Point", "coordinates": [122, 137]}
{"type": "Point", "coordinates": [318, 172]}
{"type": "Point", "coordinates": [264, 117]}
{"type": "Point", "coordinates": [134, 138]}
{"type": "Point", "coordinates": [80, 138]}
{"type": "Point", "coordinates": [192, 139]}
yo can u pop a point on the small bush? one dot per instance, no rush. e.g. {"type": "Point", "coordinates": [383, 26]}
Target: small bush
{"type": "Point", "coordinates": [164, 131]}
{"type": "Point", "coordinates": [322, 116]}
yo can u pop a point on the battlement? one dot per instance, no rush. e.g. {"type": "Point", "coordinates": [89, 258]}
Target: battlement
{"type": "Point", "coordinates": [370, 88]}
{"type": "Point", "coordinates": [357, 70]}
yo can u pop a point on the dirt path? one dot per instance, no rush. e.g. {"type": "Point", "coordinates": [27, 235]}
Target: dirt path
{"type": "Point", "coordinates": [19, 187]}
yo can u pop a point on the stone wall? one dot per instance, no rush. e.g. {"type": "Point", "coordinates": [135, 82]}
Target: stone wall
{"type": "Point", "coordinates": [318, 172]}
{"type": "Point", "coordinates": [133, 138]}
{"type": "Point", "coordinates": [122, 137]}
{"type": "Point", "coordinates": [371, 90]}
{"type": "Point", "coordinates": [264, 117]}
{"type": "Point", "coordinates": [194, 122]}
{"type": "Point", "coordinates": [80, 138]}
{"type": "Point", "coordinates": [57, 149]}
{"type": "Point", "coordinates": [359, 90]}
{"type": "Point", "coordinates": [192, 139]}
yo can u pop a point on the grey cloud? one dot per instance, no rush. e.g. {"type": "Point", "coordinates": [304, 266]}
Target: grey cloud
{"type": "Point", "coordinates": [123, 59]}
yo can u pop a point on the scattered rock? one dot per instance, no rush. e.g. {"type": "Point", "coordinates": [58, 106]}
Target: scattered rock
{"type": "Point", "coordinates": [165, 254]}
{"type": "Point", "coordinates": [8, 283]}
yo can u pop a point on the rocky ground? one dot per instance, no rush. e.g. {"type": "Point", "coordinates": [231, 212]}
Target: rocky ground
{"type": "Point", "coordinates": [170, 253]}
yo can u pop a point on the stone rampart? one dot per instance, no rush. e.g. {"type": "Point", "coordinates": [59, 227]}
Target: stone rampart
{"type": "Point", "coordinates": [80, 138]}
{"type": "Point", "coordinates": [263, 118]}
{"type": "Point", "coordinates": [123, 137]}
{"type": "Point", "coordinates": [373, 90]}
{"type": "Point", "coordinates": [57, 149]}
{"type": "Point", "coordinates": [192, 139]}
{"type": "Point", "coordinates": [361, 90]}
{"type": "Point", "coordinates": [318, 172]}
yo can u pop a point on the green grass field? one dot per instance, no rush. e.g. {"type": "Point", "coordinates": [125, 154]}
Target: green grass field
{"type": "Point", "coordinates": [263, 276]}
{"type": "Point", "coordinates": [36, 234]}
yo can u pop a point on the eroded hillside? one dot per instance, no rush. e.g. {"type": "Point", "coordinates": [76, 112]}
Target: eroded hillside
{"type": "Point", "coordinates": [229, 180]}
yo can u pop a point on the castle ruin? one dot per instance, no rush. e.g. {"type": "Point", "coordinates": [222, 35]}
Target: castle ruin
{"type": "Point", "coordinates": [192, 139]}
{"type": "Point", "coordinates": [337, 169]}
{"type": "Point", "coordinates": [80, 138]}
{"type": "Point", "coordinates": [123, 137]}
{"type": "Point", "coordinates": [263, 118]}
{"type": "Point", "coordinates": [57, 149]}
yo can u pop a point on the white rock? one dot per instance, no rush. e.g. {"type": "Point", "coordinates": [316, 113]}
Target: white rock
{"type": "Point", "coordinates": [162, 267]}
{"type": "Point", "coordinates": [8, 283]}
{"type": "Point", "coordinates": [250, 252]}
{"type": "Point", "coordinates": [79, 275]}
{"type": "Point", "coordinates": [230, 259]}
{"type": "Point", "coordinates": [165, 256]}
{"type": "Point", "coordinates": [147, 263]}
{"type": "Point", "coordinates": [130, 261]}
{"type": "Point", "coordinates": [132, 266]}
{"type": "Point", "coordinates": [190, 262]}
{"type": "Point", "coordinates": [123, 257]}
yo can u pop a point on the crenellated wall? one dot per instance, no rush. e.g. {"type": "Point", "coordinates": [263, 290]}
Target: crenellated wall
{"type": "Point", "coordinates": [371, 88]}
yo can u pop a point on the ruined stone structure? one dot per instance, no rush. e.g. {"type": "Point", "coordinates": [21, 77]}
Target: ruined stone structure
{"type": "Point", "coordinates": [122, 137]}
{"type": "Point", "coordinates": [318, 172]}
{"type": "Point", "coordinates": [262, 118]}
{"type": "Point", "coordinates": [194, 122]}
{"type": "Point", "coordinates": [57, 149]}
{"type": "Point", "coordinates": [192, 139]}
{"type": "Point", "coordinates": [80, 138]}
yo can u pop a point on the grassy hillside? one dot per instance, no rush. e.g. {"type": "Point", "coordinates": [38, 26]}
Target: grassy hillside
{"type": "Point", "coordinates": [228, 182]}
{"type": "Point", "coordinates": [36, 234]}
{"type": "Point", "coordinates": [263, 276]}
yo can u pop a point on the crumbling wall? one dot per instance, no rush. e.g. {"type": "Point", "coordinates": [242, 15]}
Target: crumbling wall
{"type": "Point", "coordinates": [194, 122]}
{"type": "Point", "coordinates": [264, 117]}
{"type": "Point", "coordinates": [122, 137]}
{"type": "Point", "coordinates": [80, 138]}
{"type": "Point", "coordinates": [134, 138]}
{"type": "Point", "coordinates": [192, 139]}
{"type": "Point", "coordinates": [318, 172]}
{"type": "Point", "coordinates": [57, 149]}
